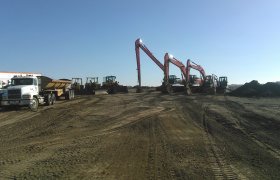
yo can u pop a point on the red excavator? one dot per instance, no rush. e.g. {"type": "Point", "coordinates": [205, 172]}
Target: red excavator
{"type": "Point", "coordinates": [140, 45]}
{"type": "Point", "coordinates": [168, 58]}
{"type": "Point", "coordinates": [191, 83]}
{"type": "Point", "coordinates": [205, 84]}
{"type": "Point", "coordinates": [191, 79]}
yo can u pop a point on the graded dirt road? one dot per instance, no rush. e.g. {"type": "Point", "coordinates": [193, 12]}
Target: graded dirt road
{"type": "Point", "coordinates": [143, 136]}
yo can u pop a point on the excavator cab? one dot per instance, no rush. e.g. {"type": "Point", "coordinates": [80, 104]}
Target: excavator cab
{"type": "Point", "coordinates": [193, 79]}
{"type": "Point", "coordinates": [173, 79]}
{"type": "Point", "coordinates": [208, 81]}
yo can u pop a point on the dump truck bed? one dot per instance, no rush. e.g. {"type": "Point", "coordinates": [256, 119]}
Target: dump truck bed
{"type": "Point", "coordinates": [59, 86]}
{"type": "Point", "coordinates": [47, 83]}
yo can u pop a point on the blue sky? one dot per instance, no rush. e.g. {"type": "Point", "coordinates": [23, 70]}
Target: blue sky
{"type": "Point", "coordinates": [65, 38]}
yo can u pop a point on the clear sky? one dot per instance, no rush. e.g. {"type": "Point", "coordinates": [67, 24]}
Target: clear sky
{"type": "Point", "coordinates": [66, 38]}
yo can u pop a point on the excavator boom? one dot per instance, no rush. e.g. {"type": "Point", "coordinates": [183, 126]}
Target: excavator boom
{"type": "Point", "coordinates": [140, 45]}
{"type": "Point", "coordinates": [168, 58]}
{"type": "Point", "coordinates": [191, 64]}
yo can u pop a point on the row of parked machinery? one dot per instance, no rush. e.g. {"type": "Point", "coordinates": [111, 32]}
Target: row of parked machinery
{"type": "Point", "coordinates": [32, 90]}
{"type": "Point", "coordinates": [189, 83]}
{"type": "Point", "coordinates": [109, 84]}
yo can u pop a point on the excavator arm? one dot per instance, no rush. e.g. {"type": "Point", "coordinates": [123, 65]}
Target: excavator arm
{"type": "Point", "coordinates": [168, 58]}
{"type": "Point", "coordinates": [140, 45]}
{"type": "Point", "coordinates": [191, 64]}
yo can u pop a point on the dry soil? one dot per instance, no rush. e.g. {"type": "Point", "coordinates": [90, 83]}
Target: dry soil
{"type": "Point", "coordinates": [143, 136]}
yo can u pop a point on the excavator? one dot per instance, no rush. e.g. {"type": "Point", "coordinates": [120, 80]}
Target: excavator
{"type": "Point", "coordinates": [91, 85]}
{"type": "Point", "coordinates": [192, 83]}
{"type": "Point", "coordinates": [192, 80]}
{"type": "Point", "coordinates": [206, 84]}
{"type": "Point", "coordinates": [140, 45]}
{"type": "Point", "coordinates": [112, 86]}
{"type": "Point", "coordinates": [168, 58]}
{"type": "Point", "coordinates": [172, 78]}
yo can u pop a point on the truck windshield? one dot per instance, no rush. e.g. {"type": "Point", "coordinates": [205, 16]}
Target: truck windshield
{"type": "Point", "coordinates": [23, 81]}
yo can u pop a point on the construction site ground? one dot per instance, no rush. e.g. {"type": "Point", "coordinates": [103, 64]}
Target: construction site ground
{"type": "Point", "coordinates": [145, 135]}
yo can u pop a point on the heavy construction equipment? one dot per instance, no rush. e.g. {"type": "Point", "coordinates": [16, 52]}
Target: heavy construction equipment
{"type": "Point", "coordinates": [173, 79]}
{"type": "Point", "coordinates": [168, 58]}
{"type": "Point", "coordinates": [222, 84]}
{"type": "Point", "coordinates": [168, 82]}
{"type": "Point", "coordinates": [91, 85]}
{"type": "Point", "coordinates": [210, 84]}
{"type": "Point", "coordinates": [34, 90]}
{"type": "Point", "coordinates": [77, 85]}
{"type": "Point", "coordinates": [140, 45]}
{"type": "Point", "coordinates": [192, 83]}
{"type": "Point", "coordinates": [190, 79]}
{"type": "Point", "coordinates": [112, 86]}
{"type": "Point", "coordinates": [204, 84]}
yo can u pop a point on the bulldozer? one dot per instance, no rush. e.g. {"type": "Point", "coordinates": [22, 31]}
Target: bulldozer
{"type": "Point", "coordinates": [91, 85]}
{"type": "Point", "coordinates": [112, 86]}
{"type": "Point", "coordinates": [77, 85]}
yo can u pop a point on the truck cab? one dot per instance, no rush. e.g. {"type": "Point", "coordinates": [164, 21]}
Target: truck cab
{"type": "Point", "coordinates": [21, 91]}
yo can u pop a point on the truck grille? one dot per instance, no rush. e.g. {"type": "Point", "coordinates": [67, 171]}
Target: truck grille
{"type": "Point", "coordinates": [14, 94]}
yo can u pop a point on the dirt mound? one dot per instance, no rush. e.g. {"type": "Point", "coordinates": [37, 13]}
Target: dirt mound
{"type": "Point", "coordinates": [255, 89]}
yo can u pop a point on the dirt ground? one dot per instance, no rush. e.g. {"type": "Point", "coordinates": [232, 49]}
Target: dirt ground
{"type": "Point", "coordinates": [143, 136]}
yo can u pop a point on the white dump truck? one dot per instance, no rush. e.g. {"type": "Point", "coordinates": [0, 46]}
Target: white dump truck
{"type": "Point", "coordinates": [34, 90]}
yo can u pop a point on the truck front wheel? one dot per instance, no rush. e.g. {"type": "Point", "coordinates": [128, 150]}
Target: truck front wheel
{"type": "Point", "coordinates": [34, 104]}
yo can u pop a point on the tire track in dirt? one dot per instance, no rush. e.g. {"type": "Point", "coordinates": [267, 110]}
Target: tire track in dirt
{"type": "Point", "coordinates": [237, 116]}
{"type": "Point", "coordinates": [48, 114]}
{"type": "Point", "coordinates": [156, 151]}
{"type": "Point", "coordinates": [17, 118]}
{"type": "Point", "coordinates": [228, 130]}
{"type": "Point", "coordinates": [221, 168]}
{"type": "Point", "coordinates": [11, 117]}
